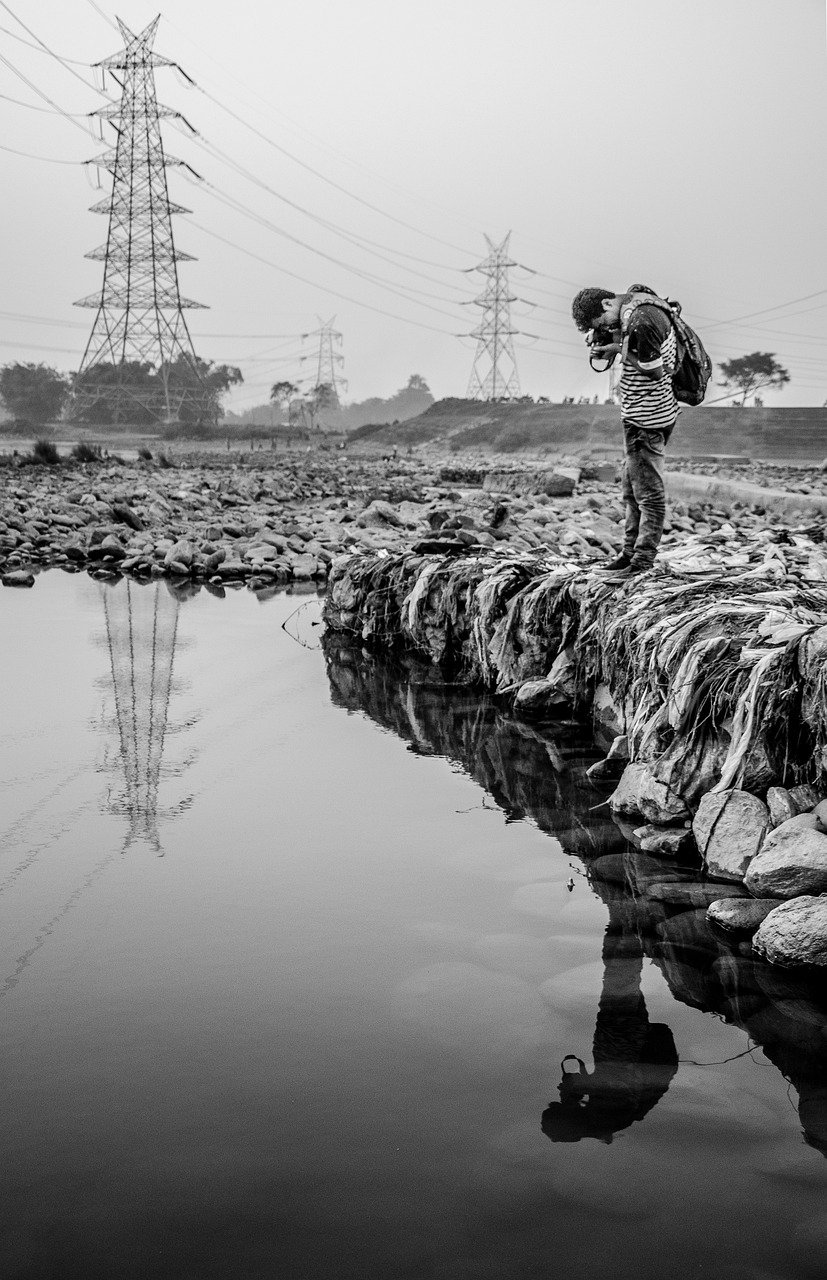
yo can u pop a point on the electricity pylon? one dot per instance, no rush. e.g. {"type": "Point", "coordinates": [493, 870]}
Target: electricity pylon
{"type": "Point", "coordinates": [327, 359]}
{"type": "Point", "coordinates": [494, 371]}
{"type": "Point", "coordinates": [140, 311]}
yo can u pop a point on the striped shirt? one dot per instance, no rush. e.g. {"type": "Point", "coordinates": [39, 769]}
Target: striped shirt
{"type": "Point", "coordinates": [644, 401]}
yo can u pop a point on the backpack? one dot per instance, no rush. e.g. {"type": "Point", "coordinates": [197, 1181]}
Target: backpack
{"type": "Point", "coordinates": [693, 367]}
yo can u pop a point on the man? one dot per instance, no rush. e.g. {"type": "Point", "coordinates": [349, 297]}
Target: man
{"type": "Point", "coordinates": [648, 407]}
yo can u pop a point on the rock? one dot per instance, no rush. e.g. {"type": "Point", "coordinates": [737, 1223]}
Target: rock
{"type": "Point", "coordinates": [18, 578]}
{"type": "Point", "coordinates": [805, 798]}
{"type": "Point", "coordinates": [799, 822]}
{"type": "Point", "coordinates": [793, 861]}
{"type": "Point", "coordinates": [820, 814]}
{"type": "Point", "coordinates": [780, 805]}
{"type": "Point", "coordinates": [112, 546]}
{"type": "Point", "coordinates": [536, 697]}
{"type": "Point", "coordinates": [658, 802]}
{"type": "Point", "coordinates": [619, 750]}
{"type": "Point", "coordinates": [626, 797]}
{"type": "Point", "coordinates": [557, 482]}
{"type": "Point", "coordinates": [182, 553]}
{"type": "Point", "coordinates": [668, 841]}
{"type": "Point", "coordinates": [740, 915]}
{"type": "Point", "coordinates": [603, 769]}
{"type": "Point", "coordinates": [379, 513]}
{"type": "Point", "coordinates": [698, 894]}
{"type": "Point", "coordinates": [795, 933]}
{"type": "Point", "coordinates": [124, 513]}
{"type": "Point", "coordinates": [639, 791]}
{"type": "Point", "coordinates": [729, 828]}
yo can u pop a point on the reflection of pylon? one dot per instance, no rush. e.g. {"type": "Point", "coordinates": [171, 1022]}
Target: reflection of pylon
{"type": "Point", "coordinates": [327, 359]}
{"type": "Point", "coordinates": [141, 631]}
{"type": "Point", "coordinates": [500, 380]}
{"type": "Point", "coordinates": [139, 318]}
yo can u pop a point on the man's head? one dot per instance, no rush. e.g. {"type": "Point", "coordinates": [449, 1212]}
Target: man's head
{"type": "Point", "coordinates": [596, 308]}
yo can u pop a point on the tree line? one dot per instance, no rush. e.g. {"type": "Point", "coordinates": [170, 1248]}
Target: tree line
{"type": "Point", "coordinates": [34, 394]}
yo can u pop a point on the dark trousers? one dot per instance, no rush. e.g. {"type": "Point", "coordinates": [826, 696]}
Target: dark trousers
{"type": "Point", "coordinates": [644, 494]}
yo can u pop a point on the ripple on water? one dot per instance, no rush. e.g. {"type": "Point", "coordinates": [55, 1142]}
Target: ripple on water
{"type": "Point", "coordinates": [490, 1017]}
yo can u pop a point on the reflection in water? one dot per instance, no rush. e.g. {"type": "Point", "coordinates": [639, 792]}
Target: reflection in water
{"type": "Point", "coordinates": [634, 1059]}
{"type": "Point", "coordinates": [654, 909]}
{"type": "Point", "coordinates": [141, 636]}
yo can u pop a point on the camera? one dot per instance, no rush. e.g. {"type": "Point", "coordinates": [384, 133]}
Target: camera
{"type": "Point", "coordinates": [601, 336]}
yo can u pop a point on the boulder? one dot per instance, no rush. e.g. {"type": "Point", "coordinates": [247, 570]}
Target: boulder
{"type": "Point", "coordinates": [795, 933]}
{"type": "Point", "coordinates": [182, 552]}
{"type": "Point", "coordinates": [667, 841]}
{"type": "Point", "coordinates": [379, 514]}
{"type": "Point", "coordinates": [556, 482]}
{"type": "Point", "coordinates": [792, 862]}
{"type": "Point", "coordinates": [538, 697]}
{"type": "Point", "coordinates": [625, 797]}
{"type": "Point", "coordinates": [740, 915]}
{"type": "Point", "coordinates": [639, 791]}
{"type": "Point", "coordinates": [18, 578]}
{"type": "Point", "coordinates": [729, 828]}
{"type": "Point", "coordinates": [780, 805]}
{"type": "Point", "coordinates": [805, 797]}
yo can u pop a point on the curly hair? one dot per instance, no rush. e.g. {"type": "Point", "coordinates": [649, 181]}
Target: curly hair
{"type": "Point", "coordinates": [586, 308]}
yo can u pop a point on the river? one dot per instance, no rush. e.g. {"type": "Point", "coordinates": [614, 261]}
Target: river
{"type": "Point", "coordinates": [312, 967]}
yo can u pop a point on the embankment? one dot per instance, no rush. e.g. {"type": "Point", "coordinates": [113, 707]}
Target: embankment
{"type": "Point", "coordinates": [707, 677]}
{"type": "Point", "coordinates": [798, 434]}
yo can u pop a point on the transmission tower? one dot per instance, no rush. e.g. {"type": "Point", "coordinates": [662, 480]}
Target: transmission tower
{"type": "Point", "coordinates": [494, 371]}
{"type": "Point", "coordinates": [140, 311]}
{"type": "Point", "coordinates": [327, 359]}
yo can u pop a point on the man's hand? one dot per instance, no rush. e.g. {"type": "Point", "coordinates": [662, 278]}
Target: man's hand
{"type": "Point", "coordinates": [609, 349]}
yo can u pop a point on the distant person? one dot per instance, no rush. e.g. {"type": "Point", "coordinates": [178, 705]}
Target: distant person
{"type": "Point", "coordinates": [644, 339]}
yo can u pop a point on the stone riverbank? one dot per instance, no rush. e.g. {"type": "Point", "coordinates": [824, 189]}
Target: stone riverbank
{"type": "Point", "coordinates": [260, 519]}
{"type": "Point", "coordinates": [705, 679]}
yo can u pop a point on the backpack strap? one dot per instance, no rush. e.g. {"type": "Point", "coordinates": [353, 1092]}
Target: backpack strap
{"type": "Point", "coordinates": [670, 308]}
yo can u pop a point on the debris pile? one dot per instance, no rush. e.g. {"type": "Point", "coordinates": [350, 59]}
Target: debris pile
{"type": "Point", "coordinates": [708, 676]}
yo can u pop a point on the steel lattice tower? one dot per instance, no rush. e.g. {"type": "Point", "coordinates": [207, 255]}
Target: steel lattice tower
{"type": "Point", "coordinates": [327, 359]}
{"type": "Point", "coordinates": [140, 311]}
{"type": "Point", "coordinates": [495, 349]}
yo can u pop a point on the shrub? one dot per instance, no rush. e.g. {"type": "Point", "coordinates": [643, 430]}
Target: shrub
{"type": "Point", "coordinates": [144, 454]}
{"type": "Point", "coordinates": [45, 452]}
{"type": "Point", "coordinates": [84, 452]}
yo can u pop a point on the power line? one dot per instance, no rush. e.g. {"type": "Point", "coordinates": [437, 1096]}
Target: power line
{"type": "Point", "coordinates": [238, 207]}
{"type": "Point", "coordinates": [336, 293]}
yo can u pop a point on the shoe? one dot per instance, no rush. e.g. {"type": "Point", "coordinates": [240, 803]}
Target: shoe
{"type": "Point", "coordinates": [611, 566]}
{"type": "Point", "coordinates": [631, 570]}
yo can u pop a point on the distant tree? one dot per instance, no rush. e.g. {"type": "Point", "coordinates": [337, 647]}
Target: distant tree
{"type": "Point", "coordinates": [35, 392]}
{"type": "Point", "coordinates": [745, 375]}
{"type": "Point", "coordinates": [192, 392]}
{"type": "Point", "coordinates": [417, 383]}
{"type": "Point", "coordinates": [283, 394]}
{"type": "Point", "coordinates": [323, 396]}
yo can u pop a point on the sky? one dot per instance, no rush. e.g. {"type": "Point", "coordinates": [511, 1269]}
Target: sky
{"type": "Point", "coordinates": [351, 159]}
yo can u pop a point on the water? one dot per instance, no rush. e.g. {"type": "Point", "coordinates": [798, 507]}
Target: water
{"type": "Point", "coordinates": [289, 966]}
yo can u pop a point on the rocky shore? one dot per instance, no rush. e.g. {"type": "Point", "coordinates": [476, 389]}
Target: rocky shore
{"type": "Point", "coordinates": [261, 519]}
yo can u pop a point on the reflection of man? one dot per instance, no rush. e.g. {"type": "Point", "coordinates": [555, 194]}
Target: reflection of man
{"type": "Point", "coordinates": [634, 1059]}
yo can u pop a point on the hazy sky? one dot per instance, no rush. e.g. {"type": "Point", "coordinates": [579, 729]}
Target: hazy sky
{"type": "Point", "coordinates": [676, 142]}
